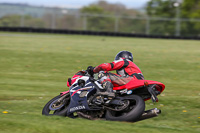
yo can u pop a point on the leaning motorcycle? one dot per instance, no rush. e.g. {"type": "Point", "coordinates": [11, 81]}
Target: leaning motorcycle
{"type": "Point", "coordinates": [84, 100]}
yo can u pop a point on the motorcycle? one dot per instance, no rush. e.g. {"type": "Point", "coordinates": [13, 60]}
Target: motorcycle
{"type": "Point", "coordinates": [83, 99]}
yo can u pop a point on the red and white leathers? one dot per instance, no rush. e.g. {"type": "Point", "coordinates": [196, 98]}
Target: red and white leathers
{"type": "Point", "coordinates": [126, 71]}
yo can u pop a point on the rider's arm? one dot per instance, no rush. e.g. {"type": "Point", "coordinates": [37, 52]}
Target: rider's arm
{"type": "Point", "coordinates": [116, 65]}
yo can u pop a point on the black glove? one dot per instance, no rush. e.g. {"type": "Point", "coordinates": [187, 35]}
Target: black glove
{"type": "Point", "coordinates": [90, 70]}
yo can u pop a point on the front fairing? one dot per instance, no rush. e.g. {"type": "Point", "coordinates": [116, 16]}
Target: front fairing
{"type": "Point", "coordinates": [79, 95]}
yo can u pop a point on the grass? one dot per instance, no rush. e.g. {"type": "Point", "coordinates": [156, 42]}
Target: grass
{"type": "Point", "coordinates": [34, 68]}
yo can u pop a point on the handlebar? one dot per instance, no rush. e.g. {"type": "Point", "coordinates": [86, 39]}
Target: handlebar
{"type": "Point", "coordinates": [90, 76]}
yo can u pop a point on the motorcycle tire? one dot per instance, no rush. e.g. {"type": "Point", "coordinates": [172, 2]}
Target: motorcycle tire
{"type": "Point", "coordinates": [58, 112]}
{"type": "Point", "coordinates": [131, 113]}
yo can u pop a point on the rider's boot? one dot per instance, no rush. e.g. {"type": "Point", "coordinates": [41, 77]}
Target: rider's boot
{"type": "Point", "coordinates": [108, 87]}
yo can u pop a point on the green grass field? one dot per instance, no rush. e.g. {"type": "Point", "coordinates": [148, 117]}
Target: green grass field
{"type": "Point", "coordinates": [34, 68]}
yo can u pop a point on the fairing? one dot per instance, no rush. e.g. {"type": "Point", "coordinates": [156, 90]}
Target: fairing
{"type": "Point", "coordinates": [133, 84]}
{"type": "Point", "coordinates": [79, 102]}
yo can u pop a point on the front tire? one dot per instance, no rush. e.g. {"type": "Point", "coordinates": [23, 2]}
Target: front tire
{"type": "Point", "coordinates": [55, 108]}
{"type": "Point", "coordinates": [131, 113]}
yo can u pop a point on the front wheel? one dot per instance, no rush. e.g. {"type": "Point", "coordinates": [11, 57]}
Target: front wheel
{"type": "Point", "coordinates": [57, 106]}
{"type": "Point", "coordinates": [131, 113]}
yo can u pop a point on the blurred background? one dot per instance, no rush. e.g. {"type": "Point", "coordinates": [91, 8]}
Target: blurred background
{"type": "Point", "coordinates": [149, 17]}
{"type": "Point", "coordinates": [34, 67]}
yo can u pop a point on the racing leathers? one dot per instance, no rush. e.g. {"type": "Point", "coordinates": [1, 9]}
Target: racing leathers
{"type": "Point", "coordinates": [126, 71]}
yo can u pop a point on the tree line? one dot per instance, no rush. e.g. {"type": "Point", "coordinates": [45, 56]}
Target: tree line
{"type": "Point", "coordinates": [123, 20]}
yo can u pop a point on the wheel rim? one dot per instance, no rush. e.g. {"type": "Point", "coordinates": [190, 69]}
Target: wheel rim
{"type": "Point", "coordinates": [130, 105]}
{"type": "Point", "coordinates": [55, 107]}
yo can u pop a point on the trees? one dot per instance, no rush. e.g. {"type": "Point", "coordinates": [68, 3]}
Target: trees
{"type": "Point", "coordinates": [95, 21]}
{"type": "Point", "coordinates": [191, 9]}
{"type": "Point", "coordinates": [10, 21]}
{"type": "Point", "coordinates": [164, 9]}
{"type": "Point", "coordinates": [167, 9]}
{"type": "Point", "coordinates": [104, 16]}
{"type": "Point", "coordinates": [115, 9]}
{"type": "Point", "coordinates": [17, 21]}
{"type": "Point", "coordinates": [108, 17]}
{"type": "Point", "coordinates": [161, 8]}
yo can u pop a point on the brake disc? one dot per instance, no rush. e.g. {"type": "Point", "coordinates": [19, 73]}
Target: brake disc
{"type": "Point", "coordinates": [124, 106]}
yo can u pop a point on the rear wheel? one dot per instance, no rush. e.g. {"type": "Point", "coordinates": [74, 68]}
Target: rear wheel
{"type": "Point", "coordinates": [134, 108]}
{"type": "Point", "coordinates": [57, 106]}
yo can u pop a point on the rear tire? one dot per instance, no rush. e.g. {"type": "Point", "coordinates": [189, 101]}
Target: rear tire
{"type": "Point", "coordinates": [60, 111]}
{"type": "Point", "coordinates": [131, 113]}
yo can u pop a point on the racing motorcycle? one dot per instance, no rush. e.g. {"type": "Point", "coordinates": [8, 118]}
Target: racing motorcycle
{"type": "Point", "coordinates": [83, 99]}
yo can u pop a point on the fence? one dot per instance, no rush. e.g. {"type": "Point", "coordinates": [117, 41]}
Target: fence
{"type": "Point", "coordinates": [109, 23]}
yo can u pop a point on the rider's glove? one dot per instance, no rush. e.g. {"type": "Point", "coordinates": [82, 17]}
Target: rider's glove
{"type": "Point", "coordinates": [90, 70]}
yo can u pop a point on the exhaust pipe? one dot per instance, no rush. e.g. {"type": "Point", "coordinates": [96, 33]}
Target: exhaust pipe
{"type": "Point", "coordinates": [149, 114]}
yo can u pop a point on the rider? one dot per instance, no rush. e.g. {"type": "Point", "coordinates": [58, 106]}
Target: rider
{"type": "Point", "coordinates": [125, 68]}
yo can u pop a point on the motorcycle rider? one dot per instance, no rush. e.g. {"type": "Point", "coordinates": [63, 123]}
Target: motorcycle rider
{"type": "Point", "coordinates": [125, 68]}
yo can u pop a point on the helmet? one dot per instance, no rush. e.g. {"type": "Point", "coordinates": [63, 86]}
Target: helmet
{"type": "Point", "coordinates": [124, 54]}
